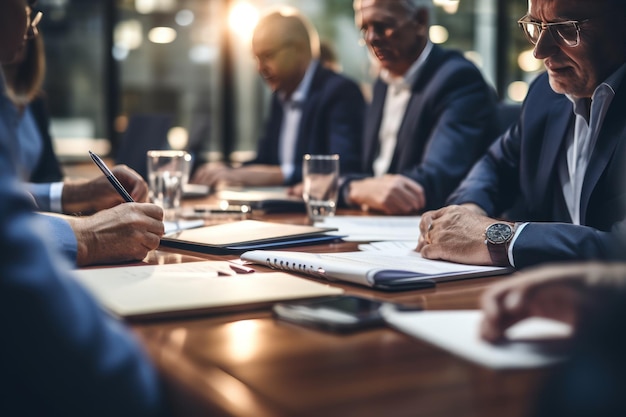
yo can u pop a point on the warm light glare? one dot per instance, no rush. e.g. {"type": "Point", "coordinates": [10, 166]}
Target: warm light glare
{"type": "Point", "coordinates": [475, 57]}
{"type": "Point", "coordinates": [438, 34]}
{"type": "Point", "coordinates": [448, 6]}
{"type": "Point", "coordinates": [128, 34]}
{"type": "Point", "coordinates": [242, 19]}
{"type": "Point", "coordinates": [528, 63]}
{"type": "Point", "coordinates": [517, 91]}
{"type": "Point", "coordinates": [178, 137]}
{"type": "Point", "coordinates": [162, 35]}
{"type": "Point", "coordinates": [151, 6]}
{"type": "Point", "coordinates": [243, 337]}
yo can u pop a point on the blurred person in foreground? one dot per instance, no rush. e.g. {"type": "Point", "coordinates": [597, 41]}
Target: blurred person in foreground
{"type": "Point", "coordinates": [590, 297]}
{"type": "Point", "coordinates": [113, 232]}
{"type": "Point", "coordinates": [432, 114]}
{"type": "Point", "coordinates": [313, 110]}
{"type": "Point", "coordinates": [563, 163]}
{"type": "Point", "coordinates": [61, 354]}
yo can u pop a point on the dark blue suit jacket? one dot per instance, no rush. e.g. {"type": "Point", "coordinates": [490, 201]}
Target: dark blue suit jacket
{"type": "Point", "coordinates": [332, 122]}
{"type": "Point", "coordinates": [60, 355]}
{"type": "Point", "coordinates": [523, 163]}
{"type": "Point", "coordinates": [449, 122]}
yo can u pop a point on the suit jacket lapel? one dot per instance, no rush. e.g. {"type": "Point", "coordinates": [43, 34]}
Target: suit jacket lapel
{"type": "Point", "coordinates": [612, 131]}
{"type": "Point", "coordinates": [372, 125]}
{"type": "Point", "coordinates": [312, 96]}
{"type": "Point", "coordinates": [558, 126]}
{"type": "Point", "coordinates": [408, 127]}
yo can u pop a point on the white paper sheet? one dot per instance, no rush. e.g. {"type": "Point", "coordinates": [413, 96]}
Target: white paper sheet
{"type": "Point", "coordinates": [457, 331]}
{"type": "Point", "coordinates": [374, 228]}
{"type": "Point", "coordinates": [156, 289]}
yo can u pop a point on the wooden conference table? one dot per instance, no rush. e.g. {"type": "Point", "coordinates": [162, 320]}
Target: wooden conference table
{"type": "Point", "coordinates": [249, 364]}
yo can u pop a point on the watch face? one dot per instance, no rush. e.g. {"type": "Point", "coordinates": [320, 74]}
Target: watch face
{"type": "Point", "coordinates": [499, 233]}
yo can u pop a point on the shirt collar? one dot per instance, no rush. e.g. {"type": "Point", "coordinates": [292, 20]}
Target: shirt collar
{"type": "Point", "coordinates": [608, 87]}
{"type": "Point", "coordinates": [410, 76]}
{"type": "Point", "coordinates": [300, 94]}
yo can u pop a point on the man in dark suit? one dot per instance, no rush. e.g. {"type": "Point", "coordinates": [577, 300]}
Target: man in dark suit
{"type": "Point", "coordinates": [564, 159]}
{"type": "Point", "coordinates": [61, 355]}
{"type": "Point", "coordinates": [314, 110]}
{"type": "Point", "coordinates": [432, 114]}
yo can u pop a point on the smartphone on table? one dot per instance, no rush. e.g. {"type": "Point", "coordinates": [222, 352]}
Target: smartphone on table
{"type": "Point", "coordinates": [342, 313]}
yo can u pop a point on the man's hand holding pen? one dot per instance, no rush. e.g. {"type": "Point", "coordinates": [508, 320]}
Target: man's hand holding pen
{"type": "Point", "coordinates": [98, 194]}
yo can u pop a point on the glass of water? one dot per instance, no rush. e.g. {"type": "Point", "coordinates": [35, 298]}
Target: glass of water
{"type": "Point", "coordinates": [320, 174]}
{"type": "Point", "coordinates": [168, 171]}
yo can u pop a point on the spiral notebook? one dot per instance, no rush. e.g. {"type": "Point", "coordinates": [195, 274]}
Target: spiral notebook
{"type": "Point", "coordinates": [380, 270]}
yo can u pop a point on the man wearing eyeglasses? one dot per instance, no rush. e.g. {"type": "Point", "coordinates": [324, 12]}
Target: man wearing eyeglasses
{"type": "Point", "coordinates": [61, 354]}
{"type": "Point", "coordinates": [313, 109]}
{"type": "Point", "coordinates": [564, 160]}
{"type": "Point", "coordinates": [432, 114]}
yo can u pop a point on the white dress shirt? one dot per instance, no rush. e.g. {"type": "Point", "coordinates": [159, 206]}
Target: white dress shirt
{"type": "Point", "coordinates": [396, 102]}
{"type": "Point", "coordinates": [292, 115]}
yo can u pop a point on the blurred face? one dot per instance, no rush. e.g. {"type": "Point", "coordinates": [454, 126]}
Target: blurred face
{"type": "Point", "coordinates": [393, 35]}
{"type": "Point", "coordinates": [281, 64]}
{"type": "Point", "coordinates": [578, 70]}
{"type": "Point", "coordinates": [14, 22]}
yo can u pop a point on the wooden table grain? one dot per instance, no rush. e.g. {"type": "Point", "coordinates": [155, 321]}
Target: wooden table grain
{"type": "Point", "coordinates": [249, 364]}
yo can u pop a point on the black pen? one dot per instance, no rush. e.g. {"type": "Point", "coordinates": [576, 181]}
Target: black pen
{"type": "Point", "coordinates": [114, 181]}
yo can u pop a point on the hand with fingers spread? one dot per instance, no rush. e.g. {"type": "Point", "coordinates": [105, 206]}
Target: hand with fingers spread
{"type": "Point", "coordinates": [455, 233]}
{"type": "Point", "coordinates": [567, 293]}
{"type": "Point", "coordinates": [389, 194]}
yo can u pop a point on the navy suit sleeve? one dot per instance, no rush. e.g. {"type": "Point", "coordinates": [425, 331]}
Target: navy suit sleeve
{"type": "Point", "coordinates": [464, 108]}
{"type": "Point", "coordinates": [555, 242]}
{"type": "Point", "coordinates": [346, 111]}
{"type": "Point", "coordinates": [493, 183]}
{"type": "Point", "coordinates": [61, 355]}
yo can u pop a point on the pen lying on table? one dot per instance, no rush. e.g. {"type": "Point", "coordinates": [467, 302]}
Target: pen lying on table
{"type": "Point", "coordinates": [114, 181]}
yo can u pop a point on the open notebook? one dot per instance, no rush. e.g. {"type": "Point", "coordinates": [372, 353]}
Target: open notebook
{"type": "Point", "coordinates": [384, 271]}
{"type": "Point", "coordinates": [153, 291]}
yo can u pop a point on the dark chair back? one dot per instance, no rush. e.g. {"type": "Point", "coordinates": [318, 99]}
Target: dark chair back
{"type": "Point", "coordinates": [145, 132]}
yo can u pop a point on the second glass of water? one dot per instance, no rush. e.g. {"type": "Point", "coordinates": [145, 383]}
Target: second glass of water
{"type": "Point", "coordinates": [168, 171]}
{"type": "Point", "coordinates": [320, 175]}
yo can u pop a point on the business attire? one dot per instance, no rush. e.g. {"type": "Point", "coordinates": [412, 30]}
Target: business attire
{"type": "Point", "coordinates": [30, 151]}
{"type": "Point", "coordinates": [571, 212]}
{"type": "Point", "coordinates": [61, 354]}
{"type": "Point", "coordinates": [330, 121]}
{"type": "Point", "coordinates": [448, 123]}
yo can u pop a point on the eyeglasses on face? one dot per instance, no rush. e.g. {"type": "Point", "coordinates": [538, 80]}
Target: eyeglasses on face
{"type": "Point", "coordinates": [564, 33]}
{"type": "Point", "coordinates": [383, 30]}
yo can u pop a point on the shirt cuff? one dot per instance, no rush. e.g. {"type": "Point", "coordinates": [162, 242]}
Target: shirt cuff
{"type": "Point", "coordinates": [287, 170]}
{"type": "Point", "coordinates": [56, 192]}
{"type": "Point", "coordinates": [518, 230]}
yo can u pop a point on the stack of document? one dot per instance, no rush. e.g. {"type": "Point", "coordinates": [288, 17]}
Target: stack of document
{"type": "Point", "coordinates": [375, 228]}
{"type": "Point", "coordinates": [246, 235]}
{"type": "Point", "coordinates": [152, 291]}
